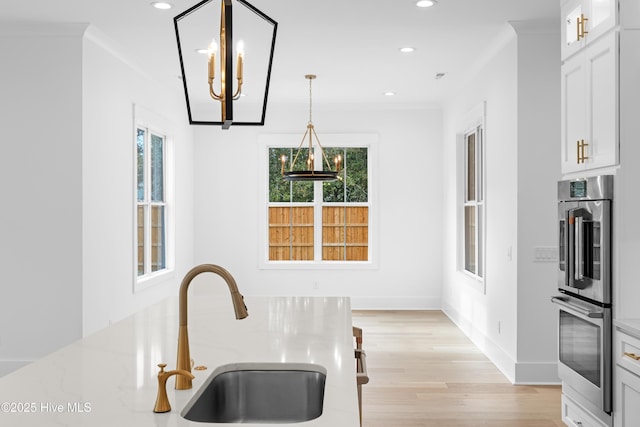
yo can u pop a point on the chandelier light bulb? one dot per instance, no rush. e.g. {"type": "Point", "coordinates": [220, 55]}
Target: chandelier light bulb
{"type": "Point", "coordinates": [213, 48]}
{"type": "Point", "coordinates": [240, 64]}
{"type": "Point", "coordinates": [212, 62]}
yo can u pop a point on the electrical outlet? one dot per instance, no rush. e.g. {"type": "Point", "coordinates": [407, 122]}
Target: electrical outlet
{"type": "Point", "coordinates": [499, 327]}
{"type": "Point", "coordinates": [545, 254]}
{"type": "Point", "coordinates": [316, 285]}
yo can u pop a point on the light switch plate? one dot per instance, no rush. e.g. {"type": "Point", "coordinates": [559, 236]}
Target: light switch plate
{"type": "Point", "coordinates": [545, 254]}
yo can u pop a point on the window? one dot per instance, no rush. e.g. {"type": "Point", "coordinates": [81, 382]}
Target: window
{"type": "Point", "coordinates": [473, 202]}
{"type": "Point", "coordinates": [319, 221]}
{"type": "Point", "coordinates": [151, 202]}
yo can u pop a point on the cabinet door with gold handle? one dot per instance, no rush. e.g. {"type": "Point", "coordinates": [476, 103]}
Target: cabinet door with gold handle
{"type": "Point", "coordinates": [584, 21]}
{"type": "Point", "coordinates": [571, 34]}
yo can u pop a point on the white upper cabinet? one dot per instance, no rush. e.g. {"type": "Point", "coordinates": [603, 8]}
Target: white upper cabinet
{"type": "Point", "coordinates": [589, 107]}
{"type": "Point", "coordinates": [584, 21]}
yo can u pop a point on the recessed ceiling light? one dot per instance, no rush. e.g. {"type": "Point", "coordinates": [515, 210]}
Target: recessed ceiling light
{"type": "Point", "coordinates": [161, 5]}
{"type": "Point", "coordinates": [389, 93]}
{"type": "Point", "coordinates": [426, 3]}
{"type": "Point", "coordinates": [407, 49]}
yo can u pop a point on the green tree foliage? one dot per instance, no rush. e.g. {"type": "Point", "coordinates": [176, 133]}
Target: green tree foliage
{"type": "Point", "coordinates": [353, 185]}
{"type": "Point", "coordinates": [285, 191]}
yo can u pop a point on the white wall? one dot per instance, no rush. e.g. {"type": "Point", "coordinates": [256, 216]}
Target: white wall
{"type": "Point", "coordinates": [111, 87]}
{"type": "Point", "coordinates": [406, 194]}
{"type": "Point", "coordinates": [66, 172]}
{"type": "Point", "coordinates": [41, 187]}
{"type": "Point", "coordinates": [522, 128]}
{"type": "Point", "coordinates": [538, 174]}
{"type": "Point", "coordinates": [478, 313]}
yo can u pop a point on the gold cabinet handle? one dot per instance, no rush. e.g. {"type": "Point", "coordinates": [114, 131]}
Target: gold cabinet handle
{"type": "Point", "coordinates": [580, 26]}
{"type": "Point", "coordinates": [582, 30]}
{"type": "Point", "coordinates": [632, 355]}
{"type": "Point", "coordinates": [578, 35]}
{"type": "Point", "coordinates": [584, 156]}
{"type": "Point", "coordinates": [580, 151]}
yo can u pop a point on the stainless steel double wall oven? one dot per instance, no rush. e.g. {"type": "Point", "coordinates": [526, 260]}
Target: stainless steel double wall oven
{"type": "Point", "coordinates": [584, 283]}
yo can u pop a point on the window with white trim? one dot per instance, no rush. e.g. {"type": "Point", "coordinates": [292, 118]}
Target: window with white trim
{"type": "Point", "coordinates": [473, 206]}
{"type": "Point", "coordinates": [319, 221]}
{"type": "Point", "coordinates": [151, 237]}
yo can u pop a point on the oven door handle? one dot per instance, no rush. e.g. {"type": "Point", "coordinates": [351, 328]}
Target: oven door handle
{"type": "Point", "coordinates": [579, 246]}
{"type": "Point", "coordinates": [569, 248]}
{"type": "Point", "coordinates": [575, 248]}
{"type": "Point", "coordinates": [593, 314]}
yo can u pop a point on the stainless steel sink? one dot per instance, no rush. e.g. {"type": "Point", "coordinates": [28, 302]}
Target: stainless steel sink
{"type": "Point", "coordinates": [259, 393]}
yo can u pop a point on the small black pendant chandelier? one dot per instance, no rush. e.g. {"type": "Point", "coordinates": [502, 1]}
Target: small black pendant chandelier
{"type": "Point", "coordinates": [310, 173]}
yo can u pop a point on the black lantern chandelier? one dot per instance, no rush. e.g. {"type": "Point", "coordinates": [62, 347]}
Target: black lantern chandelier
{"type": "Point", "coordinates": [195, 29]}
{"type": "Point", "coordinates": [310, 173]}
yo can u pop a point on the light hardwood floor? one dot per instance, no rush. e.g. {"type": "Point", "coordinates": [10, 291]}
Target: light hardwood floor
{"type": "Point", "coordinates": [425, 372]}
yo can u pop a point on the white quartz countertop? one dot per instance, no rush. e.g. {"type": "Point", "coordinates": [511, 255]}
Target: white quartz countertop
{"type": "Point", "coordinates": [110, 378]}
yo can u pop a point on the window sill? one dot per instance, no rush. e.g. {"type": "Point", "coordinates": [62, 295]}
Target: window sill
{"type": "Point", "coordinates": [145, 282]}
{"type": "Point", "coordinates": [473, 280]}
{"type": "Point", "coordinates": [317, 265]}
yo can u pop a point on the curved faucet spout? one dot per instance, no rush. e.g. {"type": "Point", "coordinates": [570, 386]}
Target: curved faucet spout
{"type": "Point", "coordinates": [184, 359]}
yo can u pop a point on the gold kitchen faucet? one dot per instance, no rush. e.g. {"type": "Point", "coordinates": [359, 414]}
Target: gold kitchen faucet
{"type": "Point", "coordinates": [184, 359]}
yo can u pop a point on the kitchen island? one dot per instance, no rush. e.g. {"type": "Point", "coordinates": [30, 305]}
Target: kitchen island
{"type": "Point", "coordinates": [110, 378]}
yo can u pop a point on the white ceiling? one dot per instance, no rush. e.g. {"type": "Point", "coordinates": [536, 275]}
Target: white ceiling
{"type": "Point", "coordinates": [352, 45]}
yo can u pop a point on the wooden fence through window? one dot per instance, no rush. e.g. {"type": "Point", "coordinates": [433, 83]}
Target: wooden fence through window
{"type": "Point", "coordinates": [345, 233]}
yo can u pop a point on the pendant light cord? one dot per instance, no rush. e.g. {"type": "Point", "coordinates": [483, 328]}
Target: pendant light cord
{"type": "Point", "coordinates": [310, 104]}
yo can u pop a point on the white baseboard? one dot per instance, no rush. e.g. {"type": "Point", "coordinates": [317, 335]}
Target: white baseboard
{"type": "Point", "coordinates": [520, 373]}
{"type": "Point", "coordinates": [396, 303]}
